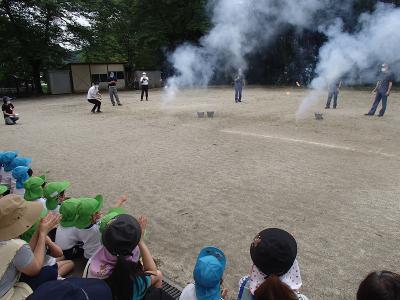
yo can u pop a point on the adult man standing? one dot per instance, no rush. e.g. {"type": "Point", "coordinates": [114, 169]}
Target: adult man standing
{"type": "Point", "coordinates": [10, 117]}
{"type": "Point", "coordinates": [333, 92]}
{"type": "Point", "coordinates": [144, 81]}
{"type": "Point", "coordinates": [239, 83]}
{"type": "Point", "coordinates": [112, 88]}
{"type": "Point", "coordinates": [382, 91]}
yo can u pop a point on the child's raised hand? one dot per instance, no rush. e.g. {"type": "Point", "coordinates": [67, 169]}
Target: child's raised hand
{"type": "Point", "coordinates": [143, 224]}
{"type": "Point", "coordinates": [121, 200]}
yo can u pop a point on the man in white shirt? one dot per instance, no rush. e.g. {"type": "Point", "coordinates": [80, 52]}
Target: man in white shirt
{"type": "Point", "coordinates": [94, 97]}
{"type": "Point", "coordinates": [144, 81]}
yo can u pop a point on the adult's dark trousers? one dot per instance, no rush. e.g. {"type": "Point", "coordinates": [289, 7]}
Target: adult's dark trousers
{"type": "Point", "coordinates": [238, 93]}
{"type": "Point", "coordinates": [145, 89]}
{"type": "Point", "coordinates": [333, 95]}
{"type": "Point", "coordinates": [379, 96]}
{"type": "Point", "coordinates": [97, 104]}
{"type": "Point", "coordinates": [11, 120]}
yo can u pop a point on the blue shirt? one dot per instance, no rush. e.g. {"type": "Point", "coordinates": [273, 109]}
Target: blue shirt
{"type": "Point", "coordinates": [384, 79]}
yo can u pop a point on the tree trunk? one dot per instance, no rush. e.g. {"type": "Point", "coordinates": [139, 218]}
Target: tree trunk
{"type": "Point", "coordinates": [36, 78]}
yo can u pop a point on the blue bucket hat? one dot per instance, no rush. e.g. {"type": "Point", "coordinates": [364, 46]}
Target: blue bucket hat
{"type": "Point", "coordinates": [18, 161]}
{"type": "Point", "coordinates": [73, 288]}
{"type": "Point", "coordinates": [21, 175]}
{"type": "Point", "coordinates": [7, 157]}
{"type": "Point", "coordinates": [208, 272]}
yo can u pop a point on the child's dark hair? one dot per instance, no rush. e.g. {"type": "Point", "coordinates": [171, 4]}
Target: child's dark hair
{"type": "Point", "coordinates": [382, 285]}
{"type": "Point", "coordinates": [30, 172]}
{"type": "Point", "coordinates": [120, 281]}
{"type": "Point", "coordinates": [96, 82]}
{"type": "Point", "coordinates": [274, 289]}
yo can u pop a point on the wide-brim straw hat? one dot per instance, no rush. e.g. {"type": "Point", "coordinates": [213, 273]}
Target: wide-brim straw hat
{"type": "Point", "coordinates": [17, 216]}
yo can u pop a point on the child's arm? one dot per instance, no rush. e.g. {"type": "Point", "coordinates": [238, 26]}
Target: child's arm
{"type": "Point", "coordinates": [121, 200]}
{"type": "Point", "coordinates": [55, 250]}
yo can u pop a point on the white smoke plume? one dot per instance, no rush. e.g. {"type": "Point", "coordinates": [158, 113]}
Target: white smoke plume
{"type": "Point", "coordinates": [240, 27]}
{"type": "Point", "coordinates": [356, 57]}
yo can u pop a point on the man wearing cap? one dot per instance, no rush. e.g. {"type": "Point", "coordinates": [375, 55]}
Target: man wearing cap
{"type": "Point", "coordinates": [144, 81]}
{"type": "Point", "coordinates": [112, 88]}
{"type": "Point", "coordinates": [207, 274]}
{"type": "Point", "coordinates": [10, 117]}
{"type": "Point", "coordinates": [382, 90]}
{"type": "Point", "coordinates": [21, 267]}
{"type": "Point", "coordinates": [78, 224]}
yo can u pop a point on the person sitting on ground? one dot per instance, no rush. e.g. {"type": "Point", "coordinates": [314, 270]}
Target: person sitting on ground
{"type": "Point", "coordinates": [34, 189]}
{"type": "Point", "coordinates": [78, 234]}
{"type": "Point", "coordinates": [20, 175]}
{"type": "Point", "coordinates": [384, 285]}
{"type": "Point", "coordinates": [10, 117]}
{"type": "Point", "coordinates": [21, 264]}
{"type": "Point", "coordinates": [207, 274]}
{"type": "Point", "coordinates": [54, 192]}
{"type": "Point", "coordinates": [102, 264]}
{"type": "Point", "coordinates": [17, 162]}
{"type": "Point", "coordinates": [275, 273]}
{"type": "Point", "coordinates": [94, 97]}
{"type": "Point", "coordinates": [6, 159]}
{"type": "Point", "coordinates": [130, 280]}
{"type": "Point", "coordinates": [54, 254]}
{"type": "Point", "coordinates": [73, 288]}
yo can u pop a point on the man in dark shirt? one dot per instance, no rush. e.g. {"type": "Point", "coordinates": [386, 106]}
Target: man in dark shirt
{"type": "Point", "coordinates": [112, 88]}
{"type": "Point", "coordinates": [10, 117]}
{"type": "Point", "coordinates": [382, 91]}
{"type": "Point", "coordinates": [239, 83]}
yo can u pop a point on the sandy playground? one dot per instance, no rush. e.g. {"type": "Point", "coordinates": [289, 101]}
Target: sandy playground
{"type": "Point", "coordinates": [334, 183]}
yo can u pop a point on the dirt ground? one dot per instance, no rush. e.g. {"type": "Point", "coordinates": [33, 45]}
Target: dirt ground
{"type": "Point", "coordinates": [334, 184]}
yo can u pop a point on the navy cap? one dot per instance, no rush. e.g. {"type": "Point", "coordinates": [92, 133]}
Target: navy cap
{"type": "Point", "coordinates": [73, 288]}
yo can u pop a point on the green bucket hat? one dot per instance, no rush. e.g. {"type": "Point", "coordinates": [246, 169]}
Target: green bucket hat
{"type": "Point", "coordinates": [111, 214]}
{"type": "Point", "coordinates": [33, 188]}
{"type": "Point", "coordinates": [27, 235]}
{"type": "Point", "coordinates": [52, 191]}
{"type": "Point", "coordinates": [69, 212]}
{"type": "Point", "coordinates": [86, 209]}
{"type": "Point", "coordinates": [3, 189]}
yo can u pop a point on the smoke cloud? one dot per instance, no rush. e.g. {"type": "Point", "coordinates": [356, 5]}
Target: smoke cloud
{"type": "Point", "coordinates": [356, 57]}
{"type": "Point", "coordinates": [240, 27]}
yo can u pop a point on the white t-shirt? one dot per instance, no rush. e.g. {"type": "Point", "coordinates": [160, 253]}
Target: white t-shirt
{"type": "Point", "coordinates": [189, 293]}
{"type": "Point", "coordinates": [144, 80]}
{"type": "Point", "coordinates": [5, 177]}
{"type": "Point", "coordinates": [92, 92]}
{"type": "Point", "coordinates": [68, 237]}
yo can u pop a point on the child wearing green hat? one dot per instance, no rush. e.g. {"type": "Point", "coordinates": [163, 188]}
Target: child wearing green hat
{"type": "Point", "coordinates": [79, 224]}
{"type": "Point", "coordinates": [54, 192]}
{"type": "Point", "coordinates": [3, 189]}
{"type": "Point", "coordinates": [34, 190]}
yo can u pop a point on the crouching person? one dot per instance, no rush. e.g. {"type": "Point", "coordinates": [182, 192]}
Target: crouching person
{"type": "Point", "coordinates": [10, 117]}
{"type": "Point", "coordinates": [207, 274]}
{"type": "Point", "coordinates": [275, 273]}
{"type": "Point", "coordinates": [21, 264]}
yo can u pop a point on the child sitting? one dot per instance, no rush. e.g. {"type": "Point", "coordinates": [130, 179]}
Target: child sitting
{"type": "Point", "coordinates": [54, 192]}
{"type": "Point", "coordinates": [18, 162]}
{"type": "Point", "coordinates": [78, 232]}
{"type": "Point", "coordinates": [34, 190]}
{"type": "Point", "coordinates": [20, 175]}
{"type": "Point", "coordinates": [207, 274]}
{"type": "Point", "coordinates": [5, 160]}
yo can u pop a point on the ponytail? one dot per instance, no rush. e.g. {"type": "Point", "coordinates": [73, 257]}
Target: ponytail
{"type": "Point", "coordinates": [274, 289]}
{"type": "Point", "coordinates": [120, 281]}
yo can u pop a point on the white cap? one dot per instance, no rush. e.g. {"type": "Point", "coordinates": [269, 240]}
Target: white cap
{"type": "Point", "coordinates": [144, 73]}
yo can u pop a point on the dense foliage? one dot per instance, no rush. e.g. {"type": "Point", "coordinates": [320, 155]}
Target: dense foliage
{"type": "Point", "coordinates": [37, 35]}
